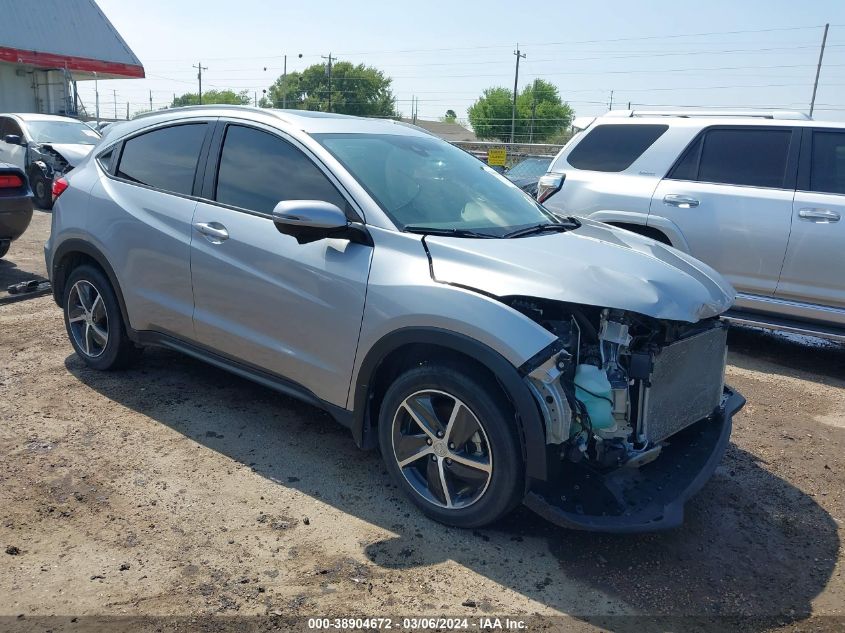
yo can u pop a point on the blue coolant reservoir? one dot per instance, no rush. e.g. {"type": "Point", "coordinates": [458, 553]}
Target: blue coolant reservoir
{"type": "Point", "coordinates": [593, 389]}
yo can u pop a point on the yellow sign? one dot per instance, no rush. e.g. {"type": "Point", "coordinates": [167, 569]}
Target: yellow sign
{"type": "Point", "coordinates": [496, 156]}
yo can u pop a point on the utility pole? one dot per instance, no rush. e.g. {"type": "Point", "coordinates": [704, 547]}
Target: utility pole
{"type": "Point", "coordinates": [151, 100]}
{"type": "Point", "coordinates": [96, 99]}
{"type": "Point", "coordinates": [610, 105]}
{"type": "Point", "coordinates": [115, 104]}
{"type": "Point", "coordinates": [285, 83]}
{"type": "Point", "coordinates": [818, 69]}
{"type": "Point", "coordinates": [515, 87]}
{"type": "Point", "coordinates": [533, 112]}
{"type": "Point", "coordinates": [200, 68]}
{"type": "Point", "coordinates": [127, 110]}
{"type": "Point", "coordinates": [329, 73]}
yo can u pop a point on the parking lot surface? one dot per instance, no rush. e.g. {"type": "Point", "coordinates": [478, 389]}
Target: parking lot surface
{"type": "Point", "coordinates": [176, 488]}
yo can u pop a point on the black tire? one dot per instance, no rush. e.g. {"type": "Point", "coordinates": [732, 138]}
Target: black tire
{"type": "Point", "coordinates": [118, 351]}
{"type": "Point", "coordinates": [42, 188]}
{"type": "Point", "coordinates": [5, 245]}
{"type": "Point", "coordinates": [490, 410]}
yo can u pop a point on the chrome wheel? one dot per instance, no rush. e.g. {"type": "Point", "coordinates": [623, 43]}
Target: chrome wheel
{"type": "Point", "coordinates": [442, 449]}
{"type": "Point", "coordinates": [89, 323]}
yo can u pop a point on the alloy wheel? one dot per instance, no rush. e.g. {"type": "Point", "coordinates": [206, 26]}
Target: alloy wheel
{"type": "Point", "coordinates": [89, 323]}
{"type": "Point", "coordinates": [442, 449]}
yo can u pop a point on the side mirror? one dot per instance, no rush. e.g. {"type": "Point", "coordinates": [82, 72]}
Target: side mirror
{"type": "Point", "coordinates": [313, 220]}
{"type": "Point", "coordinates": [13, 139]}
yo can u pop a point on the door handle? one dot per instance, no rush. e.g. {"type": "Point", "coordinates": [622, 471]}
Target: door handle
{"type": "Point", "coordinates": [824, 216]}
{"type": "Point", "coordinates": [214, 230]}
{"type": "Point", "coordinates": [682, 202]}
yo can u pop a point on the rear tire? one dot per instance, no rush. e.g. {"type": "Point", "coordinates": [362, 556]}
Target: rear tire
{"type": "Point", "coordinates": [93, 320]}
{"type": "Point", "coordinates": [467, 473]}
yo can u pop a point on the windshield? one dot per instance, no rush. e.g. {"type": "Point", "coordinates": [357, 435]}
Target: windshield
{"type": "Point", "coordinates": [530, 168]}
{"type": "Point", "coordinates": [69, 132]}
{"type": "Point", "coordinates": [426, 183]}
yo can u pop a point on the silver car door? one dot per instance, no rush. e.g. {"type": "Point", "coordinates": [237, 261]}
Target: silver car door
{"type": "Point", "coordinates": [730, 195]}
{"type": "Point", "coordinates": [814, 268]}
{"type": "Point", "coordinates": [291, 309]}
{"type": "Point", "coordinates": [141, 213]}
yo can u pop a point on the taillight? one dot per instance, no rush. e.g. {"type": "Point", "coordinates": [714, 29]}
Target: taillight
{"type": "Point", "coordinates": [549, 184]}
{"type": "Point", "coordinates": [10, 181]}
{"type": "Point", "coordinates": [59, 187]}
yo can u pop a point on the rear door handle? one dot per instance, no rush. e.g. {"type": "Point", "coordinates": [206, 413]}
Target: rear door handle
{"type": "Point", "coordinates": [682, 202]}
{"type": "Point", "coordinates": [824, 216]}
{"type": "Point", "coordinates": [214, 230]}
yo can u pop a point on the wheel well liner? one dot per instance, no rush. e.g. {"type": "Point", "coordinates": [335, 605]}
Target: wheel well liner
{"type": "Point", "coordinates": [74, 252]}
{"type": "Point", "coordinates": [438, 344]}
{"type": "Point", "coordinates": [646, 231]}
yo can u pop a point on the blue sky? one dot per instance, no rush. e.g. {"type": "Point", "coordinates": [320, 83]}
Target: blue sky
{"type": "Point", "coordinates": [744, 53]}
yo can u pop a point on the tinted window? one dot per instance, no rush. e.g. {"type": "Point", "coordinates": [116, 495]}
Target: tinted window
{"type": "Point", "coordinates": [614, 147]}
{"type": "Point", "coordinates": [827, 170]}
{"type": "Point", "coordinates": [744, 157]}
{"type": "Point", "coordinates": [165, 158]}
{"type": "Point", "coordinates": [9, 126]}
{"type": "Point", "coordinates": [105, 160]}
{"type": "Point", "coordinates": [258, 170]}
{"type": "Point", "coordinates": [687, 167]}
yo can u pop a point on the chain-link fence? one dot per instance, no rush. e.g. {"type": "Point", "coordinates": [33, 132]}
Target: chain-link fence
{"type": "Point", "coordinates": [507, 154]}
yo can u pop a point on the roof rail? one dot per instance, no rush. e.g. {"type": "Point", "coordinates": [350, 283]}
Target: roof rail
{"type": "Point", "coordinates": [210, 106]}
{"type": "Point", "coordinates": [759, 114]}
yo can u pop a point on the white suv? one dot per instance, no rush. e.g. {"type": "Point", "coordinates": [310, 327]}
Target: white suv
{"type": "Point", "coordinates": [757, 195]}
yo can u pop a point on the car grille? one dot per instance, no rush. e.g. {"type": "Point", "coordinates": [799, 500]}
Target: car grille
{"type": "Point", "coordinates": [686, 384]}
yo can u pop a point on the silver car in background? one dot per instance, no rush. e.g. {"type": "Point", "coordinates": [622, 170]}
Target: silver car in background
{"type": "Point", "coordinates": [495, 352]}
{"type": "Point", "coordinates": [759, 196]}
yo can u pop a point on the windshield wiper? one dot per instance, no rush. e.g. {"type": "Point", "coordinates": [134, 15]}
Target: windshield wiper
{"type": "Point", "coordinates": [568, 225]}
{"type": "Point", "coordinates": [428, 230]}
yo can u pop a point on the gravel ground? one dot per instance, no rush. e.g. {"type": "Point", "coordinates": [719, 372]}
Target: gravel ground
{"type": "Point", "coordinates": [177, 489]}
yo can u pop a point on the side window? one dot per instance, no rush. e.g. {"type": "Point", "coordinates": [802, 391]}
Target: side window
{"type": "Point", "coordinates": [165, 158]}
{"type": "Point", "coordinates": [614, 148]}
{"type": "Point", "coordinates": [751, 157]}
{"type": "Point", "coordinates": [105, 160]}
{"type": "Point", "coordinates": [9, 126]}
{"type": "Point", "coordinates": [258, 170]}
{"type": "Point", "coordinates": [827, 166]}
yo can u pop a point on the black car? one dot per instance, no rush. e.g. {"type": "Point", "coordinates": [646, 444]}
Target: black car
{"type": "Point", "coordinates": [15, 205]}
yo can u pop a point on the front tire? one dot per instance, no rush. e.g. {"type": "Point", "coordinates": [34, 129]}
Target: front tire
{"type": "Point", "coordinates": [43, 190]}
{"type": "Point", "coordinates": [449, 440]}
{"type": "Point", "coordinates": [93, 320]}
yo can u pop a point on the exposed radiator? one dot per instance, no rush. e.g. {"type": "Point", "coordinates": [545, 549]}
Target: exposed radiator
{"type": "Point", "coordinates": [686, 384]}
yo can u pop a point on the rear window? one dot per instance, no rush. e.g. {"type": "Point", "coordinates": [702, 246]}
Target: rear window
{"type": "Point", "coordinates": [614, 147]}
{"type": "Point", "coordinates": [163, 159]}
{"type": "Point", "coordinates": [750, 157]}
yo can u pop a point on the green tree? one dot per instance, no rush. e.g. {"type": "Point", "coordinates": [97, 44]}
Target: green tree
{"type": "Point", "coordinates": [450, 117]}
{"type": "Point", "coordinates": [359, 90]}
{"type": "Point", "coordinates": [213, 96]}
{"type": "Point", "coordinates": [540, 113]}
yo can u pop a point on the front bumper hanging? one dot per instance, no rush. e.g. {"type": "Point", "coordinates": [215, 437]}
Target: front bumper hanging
{"type": "Point", "coordinates": [643, 499]}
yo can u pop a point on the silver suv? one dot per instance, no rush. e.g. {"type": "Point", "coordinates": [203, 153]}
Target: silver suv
{"type": "Point", "coordinates": [757, 195]}
{"type": "Point", "coordinates": [494, 352]}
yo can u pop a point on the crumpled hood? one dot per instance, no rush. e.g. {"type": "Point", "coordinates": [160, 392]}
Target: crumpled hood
{"type": "Point", "coordinates": [595, 264]}
{"type": "Point", "coordinates": [72, 153]}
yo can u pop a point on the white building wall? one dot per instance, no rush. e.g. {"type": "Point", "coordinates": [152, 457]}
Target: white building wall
{"type": "Point", "coordinates": [16, 94]}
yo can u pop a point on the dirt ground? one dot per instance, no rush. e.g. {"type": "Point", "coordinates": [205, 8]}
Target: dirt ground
{"type": "Point", "coordinates": [177, 489]}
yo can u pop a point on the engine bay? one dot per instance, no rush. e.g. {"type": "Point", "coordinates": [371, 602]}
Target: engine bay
{"type": "Point", "coordinates": [620, 384]}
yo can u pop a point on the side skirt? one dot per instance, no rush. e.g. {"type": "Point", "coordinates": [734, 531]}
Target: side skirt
{"type": "Point", "coordinates": [244, 370]}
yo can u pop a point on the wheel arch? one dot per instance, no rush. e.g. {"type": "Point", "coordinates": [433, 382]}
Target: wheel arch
{"type": "Point", "coordinates": [73, 253]}
{"type": "Point", "coordinates": [405, 347]}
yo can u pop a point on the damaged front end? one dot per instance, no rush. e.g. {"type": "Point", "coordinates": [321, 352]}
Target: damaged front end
{"type": "Point", "coordinates": [636, 411]}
